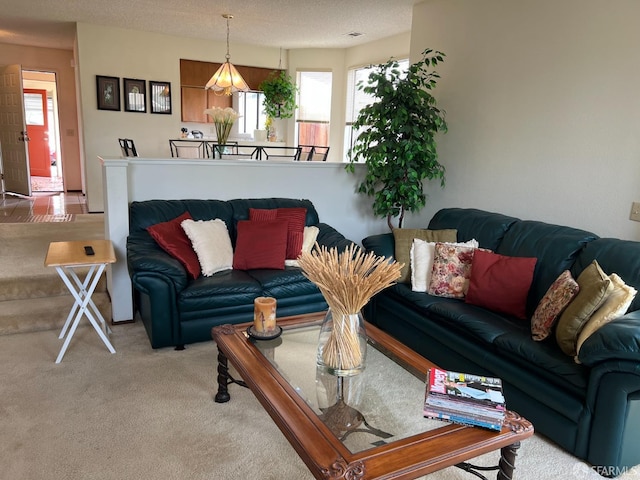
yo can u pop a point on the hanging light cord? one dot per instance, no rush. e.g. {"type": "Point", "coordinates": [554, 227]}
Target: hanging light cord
{"type": "Point", "coordinates": [227, 56]}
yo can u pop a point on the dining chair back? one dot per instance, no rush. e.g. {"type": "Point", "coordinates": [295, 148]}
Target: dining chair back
{"type": "Point", "coordinates": [128, 147]}
{"type": "Point", "coordinates": [314, 153]}
{"type": "Point", "coordinates": [188, 148]}
{"type": "Point", "coordinates": [280, 153]}
{"type": "Point", "coordinates": [235, 152]}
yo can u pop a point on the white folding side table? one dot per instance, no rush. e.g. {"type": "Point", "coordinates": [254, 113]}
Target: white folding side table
{"type": "Point", "coordinates": [67, 257]}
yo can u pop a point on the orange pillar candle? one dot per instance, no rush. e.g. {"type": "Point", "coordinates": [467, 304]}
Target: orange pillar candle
{"type": "Point", "coordinates": [264, 314]}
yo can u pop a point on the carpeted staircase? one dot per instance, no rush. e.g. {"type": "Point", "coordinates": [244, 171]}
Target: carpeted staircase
{"type": "Point", "coordinates": [32, 296]}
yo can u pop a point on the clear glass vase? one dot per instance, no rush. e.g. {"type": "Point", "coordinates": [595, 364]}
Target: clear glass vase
{"type": "Point", "coordinates": [342, 344]}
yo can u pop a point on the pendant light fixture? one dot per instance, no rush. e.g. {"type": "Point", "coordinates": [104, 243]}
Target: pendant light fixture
{"type": "Point", "coordinates": [227, 79]}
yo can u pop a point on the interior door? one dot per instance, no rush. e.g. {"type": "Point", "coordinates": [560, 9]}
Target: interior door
{"type": "Point", "coordinates": [37, 120]}
{"type": "Point", "coordinates": [13, 132]}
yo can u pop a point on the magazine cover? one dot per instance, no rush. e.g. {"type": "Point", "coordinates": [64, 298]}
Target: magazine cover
{"type": "Point", "coordinates": [465, 387]}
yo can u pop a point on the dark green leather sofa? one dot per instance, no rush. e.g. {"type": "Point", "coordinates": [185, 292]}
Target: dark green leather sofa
{"type": "Point", "coordinates": [591, 409]}
{"type": "Point", "coordinates": [177, 310]}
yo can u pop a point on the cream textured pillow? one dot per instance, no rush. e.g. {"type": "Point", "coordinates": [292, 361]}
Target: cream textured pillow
{"type": "Point", "coordinates": [595, 287]}
{"type": "Point", "coordinates": [403, 238]}
{"type": "Point", "coordinates": [211, 242]}
{"type": "Point", "coordinates": [422, 254]}
{"type": "Point", "coordinates": [616, 305]}
{"type": "Point", "coordinates": [308, 241]}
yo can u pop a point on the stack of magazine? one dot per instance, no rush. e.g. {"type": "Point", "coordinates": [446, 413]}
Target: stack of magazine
{"type": "Point", "coordinates": [462, 398]}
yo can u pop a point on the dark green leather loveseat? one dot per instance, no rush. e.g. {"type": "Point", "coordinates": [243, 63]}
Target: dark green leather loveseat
{"type": "Point", "coordinates": [591, 409]}
{"type": "Point", "coordinates": [177, 310]}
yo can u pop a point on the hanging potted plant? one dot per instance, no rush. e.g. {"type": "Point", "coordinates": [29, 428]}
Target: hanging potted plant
{"type": "Point", "coordinates": [397, 137]}
{"type": "Point", "coordinates": [279, 97]}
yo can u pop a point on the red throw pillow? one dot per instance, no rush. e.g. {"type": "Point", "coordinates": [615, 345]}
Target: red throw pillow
{"type": "Point", "coordinates": [500, 283]}
{"type": "Point", "coordinates": [296, 216]}
{"type": "Point", "coordinates": [172, 239]}
{"type": "Point", "coordinates": [262, 214]}
{"type": "Point", "coordinates": [260, 244]}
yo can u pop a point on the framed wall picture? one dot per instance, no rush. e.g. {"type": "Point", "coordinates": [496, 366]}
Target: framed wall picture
{"type": "Point", "coordinates": [108, 92]}
{"type": "Point", "coordinates": [135, 95]}
{"type": "Point", "coordinates": [160, 97]}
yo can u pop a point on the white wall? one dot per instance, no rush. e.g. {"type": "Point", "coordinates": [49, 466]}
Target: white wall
{"type": "Point", "coordinates": [149, 56]}
{"type": "Point", "coordinates": [543, 108]}
{"type": "Point", "coordinates": [379, 51]}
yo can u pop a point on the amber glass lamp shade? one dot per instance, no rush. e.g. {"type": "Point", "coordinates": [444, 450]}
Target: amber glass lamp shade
{"type": "Point", "coordinates": [227, 80]}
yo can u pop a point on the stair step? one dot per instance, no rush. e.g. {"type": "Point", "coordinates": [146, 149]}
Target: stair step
{"type": "Point", "coordinates": [40, 285]}
{"type": "Point", "coordinates": [44, 313]}
{"type": "Point", "coordinates": [34, 297]}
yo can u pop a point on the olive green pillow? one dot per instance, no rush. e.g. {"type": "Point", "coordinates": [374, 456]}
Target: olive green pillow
{"type": "Point", "coordinates": [595, 287]}
{"type": "Point", "coordinates": [615, 306]}
{"type": "Point", "coordinates": [404, 239]}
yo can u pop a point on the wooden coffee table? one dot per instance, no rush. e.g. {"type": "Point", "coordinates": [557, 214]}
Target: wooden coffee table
{"type": "Point", "coordinates": [384, 435]}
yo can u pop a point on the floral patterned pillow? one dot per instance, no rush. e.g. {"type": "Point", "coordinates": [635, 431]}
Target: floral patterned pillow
{"type": "Point", "coordinates": [559, 295]}
{"type": "Point", "coordinates": [451, 270]}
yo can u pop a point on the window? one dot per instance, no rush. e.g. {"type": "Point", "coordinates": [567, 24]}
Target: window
{"type": "Point", "coordinates": [33, 109]}
{"type": "Point", "coordinates": [314, 108]}
{"type": "Point", "coordinates": [357, 100]}
{"type": "Point", "coordinates": [251, 110]}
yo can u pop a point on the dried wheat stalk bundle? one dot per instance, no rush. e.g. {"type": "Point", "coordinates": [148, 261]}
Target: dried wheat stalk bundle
{"type": "Point", "coordinates": [347, 281]}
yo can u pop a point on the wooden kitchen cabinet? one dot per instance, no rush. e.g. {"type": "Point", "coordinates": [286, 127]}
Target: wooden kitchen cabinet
{"type": "Point", "coordinates": [195, 100]}
{"type": "Point", "coordinates": [194, 73]}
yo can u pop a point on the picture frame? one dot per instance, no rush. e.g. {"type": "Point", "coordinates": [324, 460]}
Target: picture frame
{"type": "Point", "coordinates": [135, 95]}
{"type": "Point", "coordinates": [160, 97]}
{"type": "Point", "coordinates": [108, 93]}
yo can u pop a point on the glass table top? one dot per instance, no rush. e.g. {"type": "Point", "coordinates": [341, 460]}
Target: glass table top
{"type": "Point", "coordinates": [381, 405]}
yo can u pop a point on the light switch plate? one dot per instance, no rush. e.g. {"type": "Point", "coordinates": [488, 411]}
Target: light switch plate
{"type": "Point", "coordinates": [635, 212]}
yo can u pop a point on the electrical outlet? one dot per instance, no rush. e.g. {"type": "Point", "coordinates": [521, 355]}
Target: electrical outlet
{"type": "Point", "coordinates": [635, 212]}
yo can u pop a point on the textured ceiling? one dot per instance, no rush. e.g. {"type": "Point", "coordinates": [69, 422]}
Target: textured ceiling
{"type": "Point", "coordinates": [276, 23]}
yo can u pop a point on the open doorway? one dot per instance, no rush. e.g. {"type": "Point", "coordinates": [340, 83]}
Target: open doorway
{"type": "Point", "coordinates": [43, 129]}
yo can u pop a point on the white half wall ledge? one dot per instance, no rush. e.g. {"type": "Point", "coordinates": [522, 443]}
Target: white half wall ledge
{"type": "Point", "coordinates": [331, 189]}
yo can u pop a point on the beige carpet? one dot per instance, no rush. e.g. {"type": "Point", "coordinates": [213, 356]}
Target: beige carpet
{"type": "Point", "coordinates": [149, 414]}
{"type": "Point", "coordinates": [23, 248]}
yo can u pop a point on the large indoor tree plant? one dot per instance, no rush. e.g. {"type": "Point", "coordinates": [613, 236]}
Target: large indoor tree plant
{"type": "Point", "coordinates": [397, 136]}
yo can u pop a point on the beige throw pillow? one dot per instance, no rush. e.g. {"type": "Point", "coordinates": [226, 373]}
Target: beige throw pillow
{"type": "Point", "coordinates": [211, 242]}
{"type": "Point", "coordinates": [308, 241]}
{"type": "Point", "coordinates": [404, 240]}
{"type": "Point", "coordinates": [616, 305]}
{"type": "Point", "coordinates": [595, 287]}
